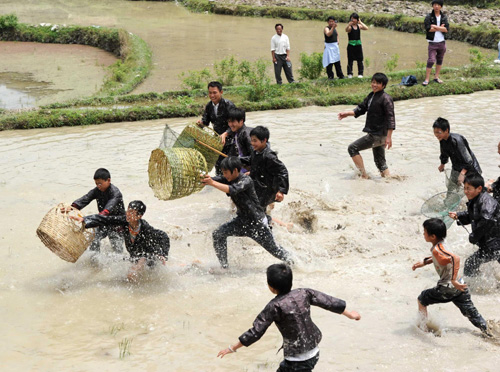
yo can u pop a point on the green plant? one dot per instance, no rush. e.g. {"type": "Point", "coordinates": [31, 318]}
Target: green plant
{"type": "Point", "coordinates": [367, 62]}
{"type": "Point", "coordinates": [195, 79]}
{"type": "Point", "coordinates": [185, 100]}
{"type": "Point", "coordinates": [259, 81]}
{"type": "Point", "coordinates": [124, 347]}
{"type": "Point", "coordinates": [227, 71]}
{"type": "Point", "coordinates": [311, 65]}
{"type": "Point", "coordinates": [392, 63]}
{"type": "Point", "coordinates": [478, 64]}
{"type": "Point", "coordinates": [115, 328]}
{"type": "Point", "coordinates": [8, 21]}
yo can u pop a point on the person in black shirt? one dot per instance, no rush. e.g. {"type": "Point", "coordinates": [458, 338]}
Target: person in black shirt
{"type": "Point", "coordinates": [331, 54]}
{"type": "Point", "coordinates": [237, 137]}
{"type": "Point", "coordinates": [216, 110]}
{"type": "Point", "coordinates": [251, 221]}
{"type": "Point", "coordinates": [380, 122]}
{"type": "Point", "coordinates": [109, 203]}
{"type": "Point", "coordinates": [354, 47]}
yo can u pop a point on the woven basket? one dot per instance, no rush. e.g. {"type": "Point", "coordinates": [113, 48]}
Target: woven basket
{"type": "Point", "coordinates": [65, 237]}
{"type": "Point", "coordinates": [175, 173]}
{"type": "Point", "coordinates": [193, 133]}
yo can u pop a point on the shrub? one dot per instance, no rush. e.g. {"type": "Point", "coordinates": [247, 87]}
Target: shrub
{"type": "Point", "coordinates": [311, 65]}
{"type": "Point", "coordinates": [8, 21]}
{"type": "Point", "coordinates": [227, 71]}
{"type": "Point", "coordinates": [195, 79]}
{"type": "Point", "coordinates": [392, 63]}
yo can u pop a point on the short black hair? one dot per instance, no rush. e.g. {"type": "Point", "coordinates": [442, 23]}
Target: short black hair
{"type": "Point", "coordinates": [380, 78]}
{"type": "Point", "coordinates": [354, 15]}
{"type": "Point", "coordinates": [475, 180]}
{"type": "Point", "coordinates": [102, 174]}
{"type": "Point", "coordinates": [435, 226]}
{"type": "Point", "coordinates": [215, 84]}
{"type": "Point", "coordinates": [440, 2]}
{"type": "Point", "coordinates": [236, 114]}
{"type": "Point", "coordinates": [231, 163]}
{"type": "Point", "coordinates": [280, 277]}
{"type": "Point", "coordinates": [331, 17]}
{"type": "Point", "coordinates": [138, 206]}
{"type": "Point", "coordinates": [278, 24]}
{"type": "Point", "coordinates": [262, 133]}
{"type": "Point", "coordinates": [442, 123]}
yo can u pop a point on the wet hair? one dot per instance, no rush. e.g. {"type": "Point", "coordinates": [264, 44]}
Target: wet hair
{"type": "Point", "coordinates": [262, 133]}
{"type": "Point", "coordinates": [354, 15]}
{"type": "Point", "coordinates": [278, 24]}
{"type": "Point", "coordinates": [330, 18]}
{"type": "Point", "coordinates": [215, 84]}
{"type": "Point", "coordinates": [475, 180]}
{"type": "Point", "coordinates": [435, 226]}
{"type": "Point", "coordinates": [138, 206]}
{"type": "Point", "coordinates": [380, 78]}
{"type": "Point", "coordinates": [236, 114]}
{"type": "Point", "coordinates": [280, 277]}
{"type": "Point", "coordinates": [231, 163]}
{"type": "Point", "coordinates": [442, 123]}
{"type": "Point", "coordinates": [440, 2]}
{"type": "Point", "coordinates": [102, 174]}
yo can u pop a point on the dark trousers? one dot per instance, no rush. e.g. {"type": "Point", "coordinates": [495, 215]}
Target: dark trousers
{"type": "Point", "coordinates": [304, 366]}
{"type": "Point", "coordinates": [338, 70]}
{"type": "Point", "coordinates": [462, 300]}
{"type": "Point", "coordinates": [115, 238]}
{"type": "Point", "coordinates": [281, 63]}
{"type": "Point", "coordinates": [355, 53]}
{"type": "Point", "coordinates": [252, 229]}
{"type": "Point", "coordinates": [374, 142]}
{"type": "Point", "coordinates": [489, 252]}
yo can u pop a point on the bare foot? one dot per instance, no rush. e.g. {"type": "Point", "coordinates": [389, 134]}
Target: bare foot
{"type": "Point", "coordinates": [385, 173]}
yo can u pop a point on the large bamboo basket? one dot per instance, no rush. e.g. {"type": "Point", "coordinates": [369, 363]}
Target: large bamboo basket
{"type": "Point", "coordinates": [190, 136]}
{"type": "Point", "coordinates": [175, 173]}
{"type": "Point", "coordinates": [65, 237]}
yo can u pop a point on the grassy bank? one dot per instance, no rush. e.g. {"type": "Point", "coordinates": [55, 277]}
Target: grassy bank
{"type": "Point", "coordinates": [134, 54]}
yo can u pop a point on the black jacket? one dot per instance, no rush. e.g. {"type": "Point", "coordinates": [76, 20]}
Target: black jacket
{"type": "Point", "coordinates": [219, 121]}
{"type": "Point", "coordinates": [242, 193]}
{"type": "Point", "coordinates": [496, 189]}
{"type": "Point", "coordinates": [379, 109]}
{"type": "Point", "coordinates": [483, 213]}
{"type": "Point", "coordinates": [109, 202]}
{"type": "Point", "coordinates": [149, 243]}
{"type": "Point", "coordinates": [430, 19]}
{"type": "Point", "coordinates": [457, 149]}
{"type": "Point", "coordinates": [269, 175]}
{"type": "Point", "coordinates": [292, 314]}
{"type": "Point", "coordinates": [239, 140]}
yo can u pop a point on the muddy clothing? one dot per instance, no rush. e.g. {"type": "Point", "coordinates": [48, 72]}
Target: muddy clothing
{"type": "Point", "coordinates": [292, 314]}
{"type": "Point", "coordinates": [379, 109]}
{"type": "Point", "coordinates": [109, 202]}
{"type": "Point", "coordinates": [217, 116]}
{"type": "Point", "coordinates": [456, 148]}
{"type": "Point", "coordinates": [269, 175]}
{"type": "Point", "coordinates": [374, 142]}
{"type": "Point", "coordinates": [296, 366]}
{"type": "Point", "coordinates": [431, 19]}
{"type": "Point", "coordinates": [446, 263]}
{"type": "Point", "coordinates": [148, 243]}
{"type": "Point", "coordinates": [238, 144]}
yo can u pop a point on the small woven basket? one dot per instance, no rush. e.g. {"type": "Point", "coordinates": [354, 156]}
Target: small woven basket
{"type": "Point", "coordinates": [175, 173]}
{"type": "Point", "coordinates": [190, 136]}
{"type": "Point", "coordinates": [65, 237]}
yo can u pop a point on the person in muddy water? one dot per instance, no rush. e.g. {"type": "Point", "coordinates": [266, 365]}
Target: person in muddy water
{"type": "Point", "coordinates": [494, 186]}
{"type": "Point", "coordinates": [280, 53]}
{"type": "Point", "coordinates": [251, 221]}
{"type": "Point", "coordinates": [483, 213]}
{"type": "Point", "coordinates": [331, 53]}
{"type": "Point", "coordinates": [237, 137]}
{"type": "Point", "coordinates": [145, 244]}
{"type": "Point", "coordinates": [455, 147]}
{"type": "Point", "coordinates": [109, 203]}
{"type": "Point", "coordinates": [449, 288]}
{"type": "Point", "coordinates": [380, 123]}
{"type": "Point", "coordinates": [436, 26]}
{"type": "Point", "coordinates": [291, 311]}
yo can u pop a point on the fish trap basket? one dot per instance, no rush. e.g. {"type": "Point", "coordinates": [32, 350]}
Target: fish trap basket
{"type": "Point", "coordinates": [65, 237]}
{"type": "Point", "coordinates": [175, 173]}
{"type": "Point", "coordinates": [191, 137]}
{"type": "Point", "coordinates": [440, 204]}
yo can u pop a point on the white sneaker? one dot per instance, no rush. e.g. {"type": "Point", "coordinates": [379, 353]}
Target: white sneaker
{"type": "Point", "coordinates": [496, 61]}
{"type": "Point", "coordinates": [360, 76]}
{"type": "Point", "coordinates": [349, 76]}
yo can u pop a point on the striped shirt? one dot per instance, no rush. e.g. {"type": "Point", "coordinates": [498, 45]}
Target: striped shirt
{"type": "Point", "coordinates": [446, 263]}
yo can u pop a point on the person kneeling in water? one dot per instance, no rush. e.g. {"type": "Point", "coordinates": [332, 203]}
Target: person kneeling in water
{"type": "Point", "coordinates": [144, 243]}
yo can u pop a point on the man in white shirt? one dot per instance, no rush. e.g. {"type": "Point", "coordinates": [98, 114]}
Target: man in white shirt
{"type": "Point", "coordinates": [436, 27]}
{"type": "Point", "coordinates": [280, 51]}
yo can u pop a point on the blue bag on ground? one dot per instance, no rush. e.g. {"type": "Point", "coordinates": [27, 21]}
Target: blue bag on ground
{"type": "Point", "coordinates": [408, 81]}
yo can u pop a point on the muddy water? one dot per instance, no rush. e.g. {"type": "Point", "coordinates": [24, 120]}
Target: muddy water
{"type": "Point", "coordinates": [182, 41]}
{"type": "Point", "coordinates": [61, 316]}
{"type": "Point", "coordinates": [33, 74]}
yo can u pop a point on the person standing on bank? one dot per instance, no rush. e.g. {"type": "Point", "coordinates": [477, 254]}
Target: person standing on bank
{"type": "Point", "coordinates": [280, 51]}
{"type": "Point", "coordinates": [354, 48]}
{"type": "Point", "coordinates": [436, 27]}
{"type": "Point", "coordinates": [331, 54]}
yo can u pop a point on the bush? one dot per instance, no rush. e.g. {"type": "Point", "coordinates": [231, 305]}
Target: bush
{"type": "Point", "coordinates": [8, 21]}
{"type": "Point", "coordinates": [195, 79]}
{"type": "Point", "coordinates": [392, 63]}
{"type": "Point", "coordinates": [227, 71]}
{"type": "Point", "coordinates": [311, 65]}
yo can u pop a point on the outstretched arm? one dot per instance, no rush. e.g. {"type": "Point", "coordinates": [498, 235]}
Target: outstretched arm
{"type": "Point", "coordinates": [207, 180]}
{"type": "Point", "coordinates": [230, 349]}
{"type": "Point", "coordinates": [354, 315]}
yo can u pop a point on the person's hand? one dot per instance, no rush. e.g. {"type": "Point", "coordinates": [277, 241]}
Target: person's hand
{"type": "Point", "coordinates": [342, 115]}
{"type": "Point", "coordinates": [354, 315]}
{"type": "Point", "coordinates": [206, 179]}
{"type": "Point", "coordinates": [247, 173]}
{"type": "Point", "coordinates": [461, 178]}
{"type": "Point", "coordinates": [224, 352]}
{"type": "Point", "coordinates": [67, 209]}
{"type": "Point", "coordinates": [461, 287]}
{"type": "Point", "coordinates": [279, 196]}
{"type": "Point", "coordinates": [388, 142]}
{"type": "Point", "coordinates": [417, 265]}
{"type": "Point", "coordinates": [199, 123]}
{"type": "Point", "coordinates": [452, 215]}
{"type": "Point", "coordinates": [441, 168]}
{"type": "Point", "coordinates": [288, 58]}
{"type": "Point", "coordinates": [223, 138]}
{"type": "Point", "coordinates": [76, 218]}
{"type": "Point", "coordinates": [163, 260]}
{"type": "Point", "coordinates": [274, 60]}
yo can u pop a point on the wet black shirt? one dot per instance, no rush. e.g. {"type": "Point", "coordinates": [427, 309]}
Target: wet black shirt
{"type": "Point", "coordinates": [219, 121]}
{"type": "Point", "coordinates": [108, 202]}
{"type": "Point", "coordinates": [457, 149]}
{"type": "Point", "coordinates": [379, 109]}
{"type": "Point", "coordinates": [238, 144]}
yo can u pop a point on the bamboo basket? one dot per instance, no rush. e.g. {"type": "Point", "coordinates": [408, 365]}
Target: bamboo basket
{"type": "Point", "coordinates": [190, 136]}
{"type": "Point", "coordinates": [65, 237]}
{"type": "Point", "coordinates": [175, 173]}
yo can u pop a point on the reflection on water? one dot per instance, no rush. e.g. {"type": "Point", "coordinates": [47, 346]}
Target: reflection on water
{"type": "Point", "coordinates": [57, 315]}
{"type": "Point", "coordinates": [18, 91]}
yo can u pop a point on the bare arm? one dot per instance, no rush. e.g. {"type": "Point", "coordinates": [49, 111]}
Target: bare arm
{"type": "Point", "coordinates": [230, 349]}
{"type": "Point", "coordinates": [362, 26]}
{"type": "Point", "coordinates": [343, 115]}
{"type": "Point", "coordinates": [352, 315]}
{"type": "Point", "coordinates": [349, 27]}
{"type": "Point", "coordinates": [329, 31]}
{"type": "Point", "coordinates": [273, 56]}
{"type": "Point", "coordinates": [388, 139]}
{"type": "Point", "coordinates": [207, 180]}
